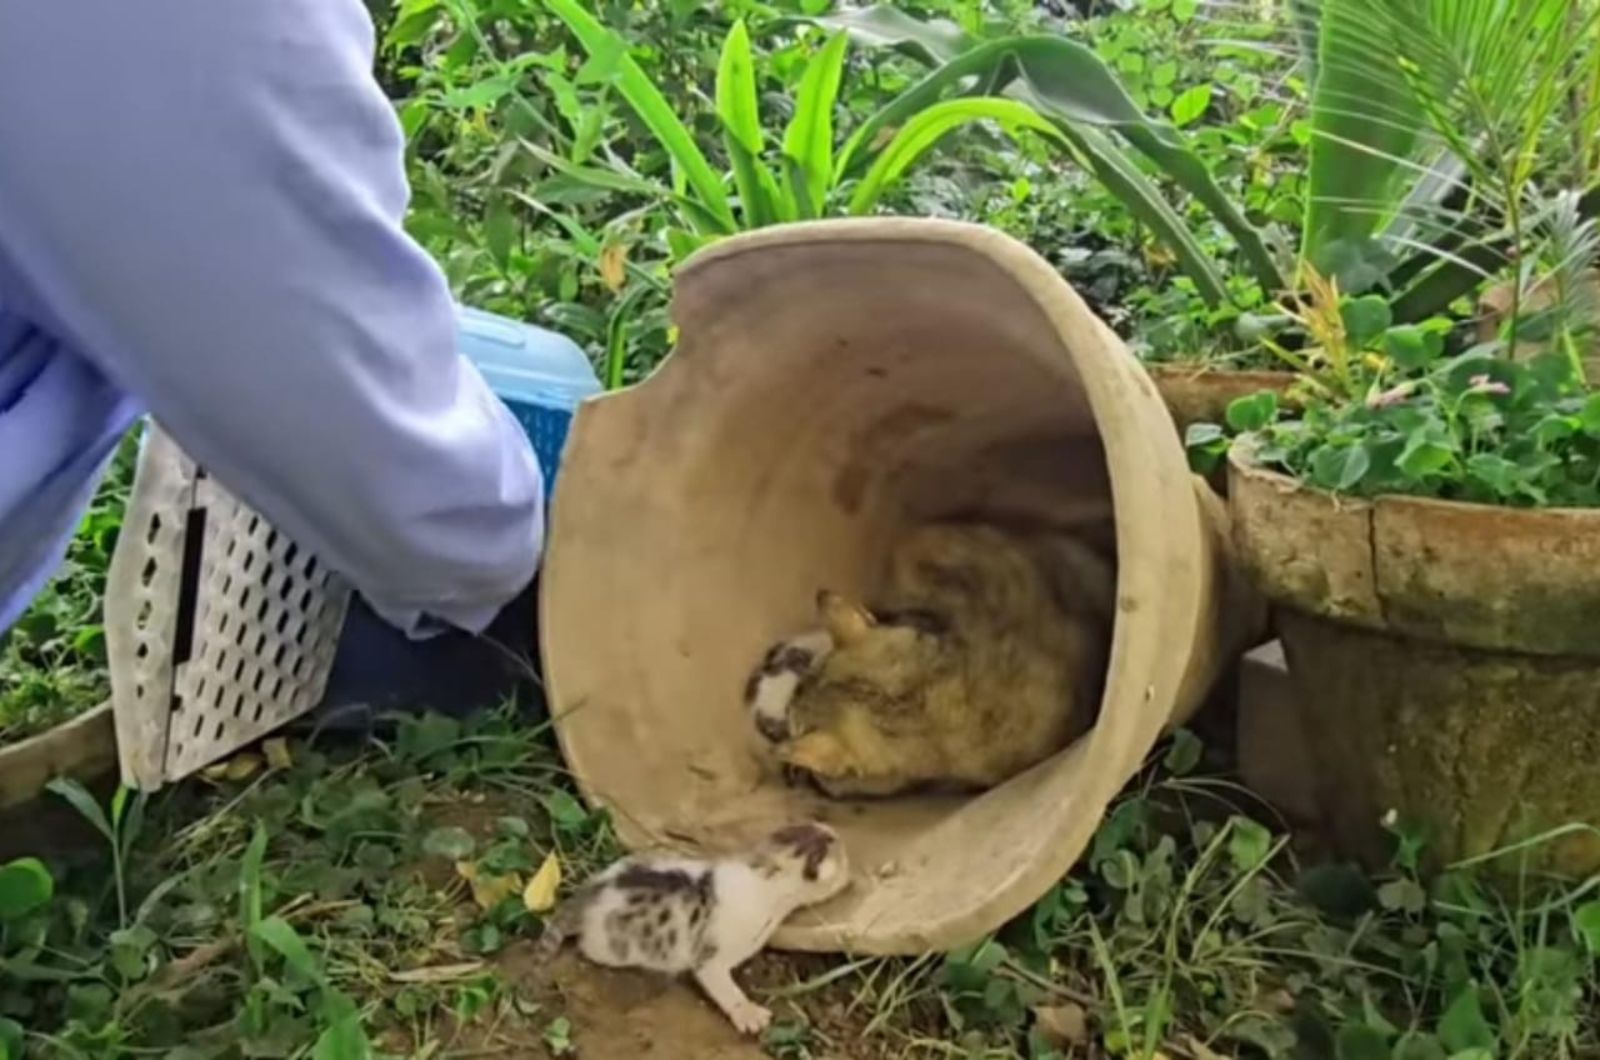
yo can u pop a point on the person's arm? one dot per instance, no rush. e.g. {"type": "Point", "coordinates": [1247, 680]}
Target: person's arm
{"type": "Point", "coordinates": [204, 197]}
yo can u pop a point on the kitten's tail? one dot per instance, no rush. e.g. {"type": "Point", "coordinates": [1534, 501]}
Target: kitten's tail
{"type": "Point", "coordinates": [558, 927]}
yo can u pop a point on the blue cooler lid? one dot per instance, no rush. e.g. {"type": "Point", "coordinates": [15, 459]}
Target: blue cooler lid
{"type": "Point", "coordinates": [524, 364]}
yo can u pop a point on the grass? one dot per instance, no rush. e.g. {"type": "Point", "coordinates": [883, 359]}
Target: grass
{"type": "Point", "coordinates": [306, 900]}
{"type": "Point", "coordinates": [314, 900]}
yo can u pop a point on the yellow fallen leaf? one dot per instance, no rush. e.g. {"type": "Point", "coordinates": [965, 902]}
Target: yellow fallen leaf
{"type": "Point", "coordinates": [613, 266]}
{"type": "Point", "coordinates": [238, 767]}
{"type": "Point", "coordinates": [277, 752]}
{"type": "Point", "coordinates": [488, 890]}
{"type": "Point", "coordinates": [540, 894]}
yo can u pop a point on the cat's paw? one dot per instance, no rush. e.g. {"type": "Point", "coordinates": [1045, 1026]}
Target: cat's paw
{"type": "Point", "coordinates": [750, 1018]}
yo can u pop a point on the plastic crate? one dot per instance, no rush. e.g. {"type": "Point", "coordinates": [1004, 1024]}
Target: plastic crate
{"type": "Point", "coordinates": [219, 628]}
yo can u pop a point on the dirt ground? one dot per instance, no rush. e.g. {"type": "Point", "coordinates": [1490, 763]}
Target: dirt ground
{"type": "Point", "coordinates": [618, 1015]}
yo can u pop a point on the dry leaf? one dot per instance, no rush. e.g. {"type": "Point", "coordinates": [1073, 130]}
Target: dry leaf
{"type": "Point", "coordinates": [488, 891]}
{"type": "Point", "coordinates": [1200, 1050]}
{"type": "Point", "coordinates": [277, 752]}
{"type": "Point", "coordinates": [439, 973]}
{"type": "Point", "coordinates": [540, 894]}
{"type": "Point", "coordinates": [613, 266]}
{"type": "Point", "coordinates": [238, 767]}
{"type": "Point", "coordinates": [1062, 1026]}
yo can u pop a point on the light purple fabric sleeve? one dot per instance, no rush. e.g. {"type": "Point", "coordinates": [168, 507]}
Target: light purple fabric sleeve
{"type": "Point", "coordinates": [203, 200]}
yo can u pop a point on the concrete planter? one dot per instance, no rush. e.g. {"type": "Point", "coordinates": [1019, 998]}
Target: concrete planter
{"type": "Point", "coordinates": [1197, 393]}
{"type": "Point", "coordinates": [84, 748]}
{"type": "Point", "coordinates": [1446, 658]}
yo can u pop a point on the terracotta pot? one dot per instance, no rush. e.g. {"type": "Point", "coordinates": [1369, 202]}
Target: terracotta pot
{"type": "Point", "coordinates": [1447, 660]}
{"type": "Point", "coordinates": [834, 382]}
{"type": "Point", "coordinates": [1199, 393]}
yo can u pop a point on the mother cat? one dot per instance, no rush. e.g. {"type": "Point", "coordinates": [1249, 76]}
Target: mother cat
{"type": "Point", "coordinates": [986, 656]}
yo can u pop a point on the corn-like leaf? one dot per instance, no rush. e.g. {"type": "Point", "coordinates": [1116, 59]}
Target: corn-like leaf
{"type": "Point", "coordinates": [808, 141]}
{"type": "Point", "coordinates": [736, 90]}
{"type": "Point", "coordinates": [1069, 84]}
{"type": "Point", "coordinates": [1123, 179]}
{"type": "Point", "coordinates": [653, 109]}
{"type": "Point", "coordinates": [931, 125]}
{"type": "Point", "coordinates": [740, 112]}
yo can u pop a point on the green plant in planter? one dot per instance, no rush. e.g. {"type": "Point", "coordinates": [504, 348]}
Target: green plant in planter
{"type": "Point", "coordinates": [1429, 529]}
{"type": "Point", "coordinates": [814, 177]}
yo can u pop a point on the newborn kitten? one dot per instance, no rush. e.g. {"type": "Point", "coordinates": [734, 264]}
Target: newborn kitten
{"type": "Point", "coordinates": [701, 915]}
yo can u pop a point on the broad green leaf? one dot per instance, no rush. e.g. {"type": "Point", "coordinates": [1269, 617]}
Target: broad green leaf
{"type": "Point", "coordinates": [343, 1039]}
{"type": "Point", "coordinates": [1253, 411]}
{"type": "Point", "coordinates": [808, 141]}
{"type": "Point", "coordinates": [76, 794]}
{"type": "Point", "coordinates": [1206, 445]}
{"type": "Point", "coordinates": [1463, 1026]}
{"type": "Point", "coordinates": [1357, 1041]}
{"type": "Point", "coordinates": [1249, 844]}
{"type": "Point", "coordinates": [25, 886]}
{"type": "Point", "coordinates": [919, 134]}
{"type": "Point", "coordinates": [451, 843]}
{"type": "Point", "coordinates": [1412, 347]}
{"type": "Point", "coordinates": [1587, 919]}
{"type": "Point", "coordinates": [1186, 749]}
{"type": "Point", "coordinates": [1365, 125]}
{"type": "Point", "coordinates": [1191, 105]}
{"type": "Point", "coordinates": [12, 1036]}
{"type": "Point", "coordinates": [566, 812]}
{"type": "Point", "coordinates": [1423, 457]}
{"type": "Point", "coordinates": [1340, 468]}
{"type": "Point", "coordinates": [1365, 319]}
{"type": "Point", "coordinates": [1418, 1046]}
{"type": "Point", "coordinates": [886, 26]}
{"type": "Point", "coordinates": [652, 109]}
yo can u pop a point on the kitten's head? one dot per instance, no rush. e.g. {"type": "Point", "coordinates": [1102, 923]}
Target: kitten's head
{"type": "Point", "coordinates": [808, 856]}
{"type": "Point", "coordinates": [858, 718]}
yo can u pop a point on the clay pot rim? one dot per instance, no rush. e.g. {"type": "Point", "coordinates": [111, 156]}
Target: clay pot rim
{"type": "Point", "coordinates": [1241, 460]}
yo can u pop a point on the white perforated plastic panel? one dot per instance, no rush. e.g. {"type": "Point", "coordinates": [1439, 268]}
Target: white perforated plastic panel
{"type": "Point", "coordinates": [219, 628]}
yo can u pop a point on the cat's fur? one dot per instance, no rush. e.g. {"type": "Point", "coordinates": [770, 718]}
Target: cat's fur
{"type": "Point", "coordinates": [986, 657]}
{"type": "Point", "coordinates": [704, 916]}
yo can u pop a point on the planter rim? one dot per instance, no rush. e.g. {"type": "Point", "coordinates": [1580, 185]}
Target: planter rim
{"type": "Point", "coordinates": [1241, 456]}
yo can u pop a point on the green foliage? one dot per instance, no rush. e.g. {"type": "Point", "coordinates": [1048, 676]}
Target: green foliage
{"type": "Point", "coordinates": [52, 661]}
{"type": "Point", "coordinates": [1190, 930]}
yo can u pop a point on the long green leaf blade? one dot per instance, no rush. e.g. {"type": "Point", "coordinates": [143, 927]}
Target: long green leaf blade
{"type": "Point", "coordinates": [808, 141]}
{"type": "Point", "coordinates": [1123, 179]}
{"type": "Point", "coordinates": [1071, 85]}
{"type": "Point", "coordinates": [922, 132]}
{"type": "Point", "coordinates": [652, 109]}
{"type": "Point", "coordinates": [740, 112]}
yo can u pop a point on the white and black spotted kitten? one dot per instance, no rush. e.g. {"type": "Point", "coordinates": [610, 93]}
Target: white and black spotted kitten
{"type": "Point", "coordinates": [701, 915]}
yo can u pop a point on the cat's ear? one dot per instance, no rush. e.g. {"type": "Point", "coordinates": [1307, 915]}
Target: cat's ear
{"type": "Point", "coordinates": [819, 753]}
{"type": "Point", "coordinates": [846, 622]}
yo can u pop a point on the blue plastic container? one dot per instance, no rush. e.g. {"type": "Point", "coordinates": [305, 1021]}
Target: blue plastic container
{"type": "Point", "coordinates": [541, 376]}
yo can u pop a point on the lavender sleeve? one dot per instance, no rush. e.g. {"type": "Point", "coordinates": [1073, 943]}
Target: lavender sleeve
{"type": "Point", "coordinates": [203, 199]}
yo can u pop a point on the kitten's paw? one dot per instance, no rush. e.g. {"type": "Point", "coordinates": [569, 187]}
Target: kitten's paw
{"type": "Point", "coordinates": [750, 1018]}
